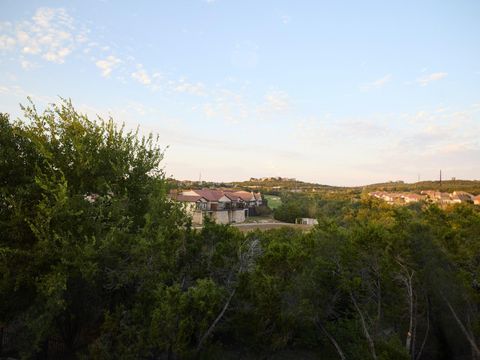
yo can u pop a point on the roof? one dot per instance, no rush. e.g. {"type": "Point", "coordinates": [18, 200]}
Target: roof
{"type": "Point", "coordinates": [244, 195]}
{"type": "Point", "coordinates": [187, 198]}
{"type": "Point", "coordinates": [413, 196]}
{"type": "Point", "coordinates": [215, 195]}
{"type": "Point", "coordinates": [210, 194]}
{"type": "Point", "coordinates": [232, 196]}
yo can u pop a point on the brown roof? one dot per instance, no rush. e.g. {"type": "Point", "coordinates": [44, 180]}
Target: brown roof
{"type": "Point", "coordinates": [413, 196]}
{"type": "Point", "coordinates": [244, 195]}
{"type": "Point", "coordinates": [232, 196]}
{"type": "Point", "coordinates": [186, 198]}
{"type": "Point", "coordinates": [215, 195]}
{"type": "Point", "coordinates": [210, 194]}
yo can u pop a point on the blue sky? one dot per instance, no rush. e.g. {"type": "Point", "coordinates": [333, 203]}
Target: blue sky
{"type": "Point", "coordinates": [335, 92]}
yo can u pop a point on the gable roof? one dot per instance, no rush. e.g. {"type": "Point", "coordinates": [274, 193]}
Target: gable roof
{"type": "Point", "coordinates": [245, 195]}
{"type": "Point", "coordinates": [215, 195]}
{"type": "Point", "coordinates": [232, 196]}
{"type": "Point", "coordinates": [187, 198]}
{"type": "Point", "coordinates": [210, 194]}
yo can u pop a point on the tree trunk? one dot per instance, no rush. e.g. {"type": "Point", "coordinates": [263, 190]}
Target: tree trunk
{"type": "Point", "coordinates": [426, 332]}
{"type": "Point", "coordinates": [371, 344]}
{"type": "Point", "coordinates": [215, 322]}
{"type": "Point", "coordinates": [333, 341]}
{"type": "Point", "coordinates": [467, 334]}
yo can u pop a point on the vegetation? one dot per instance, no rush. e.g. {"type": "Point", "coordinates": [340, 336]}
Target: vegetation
{"type": "Point", "coordinates": [273, 201]}
{"type": "Point", "coordinates": [471, 186]}
{"type": "Point", "coordinates": [314, 205]}
{"type": "Point", "coordinates": [94, 258]}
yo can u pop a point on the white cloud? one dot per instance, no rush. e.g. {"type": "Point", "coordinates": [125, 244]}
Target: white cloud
{"type": "Point", "coordinates": [190, 88]}
{"type": "Point", "coordinates": [27, 65]}
{"type": "Point", "coordinates": [6, 42]}
{"type": "Point", "coordinates": [425, 80]}
{"type": "Point", "coordinates": [227, 106]}
{"type": "Point", "coordinates": [286, 19]}
{"type": "Point", "coordinates": [50, 33]}
{"type": "Point", "coordinates": [277, 101]}
{"type": "Point", "coordinates": [376, 84]}
{"type": "Point", "coordinates": [141, 76]}
{"type": "Point", "coordinates": [107, 65]}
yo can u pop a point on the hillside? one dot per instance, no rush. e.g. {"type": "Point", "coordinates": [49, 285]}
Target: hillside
{"type": "Point", "coordinates": [276, 185]}
{"type": "Point", "coordinates": [471, 186]}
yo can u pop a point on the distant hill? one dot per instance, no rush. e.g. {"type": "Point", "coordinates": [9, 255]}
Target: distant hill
{"type": "Point", "coordinates": [278, 184]}
{"type": "Point", "coordinates": [471, 186]}
{"type": "Point", "coordinates": [274, 184]}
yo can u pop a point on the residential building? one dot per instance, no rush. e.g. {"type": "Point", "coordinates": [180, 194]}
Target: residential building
{"type": "Point", "coordinates": [306, 221]}
{"type": "Point", "coordinates": [223, 206]}
{"type": "Point", "coordinates": [462, 196]}
{"type": "Point", "coordinates": [476, 200]}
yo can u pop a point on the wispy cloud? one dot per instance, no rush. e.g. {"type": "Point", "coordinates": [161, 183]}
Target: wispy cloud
{"type": "Point", "coordinates": [184, 86]}
{"type": "Point", "coordinates": [427, 79]}
{"type": "Point", "coordinates": [275, 102]}
{"type": "Point", "coordinates": [51, 33]}
{"type": "Point", "coordinates": [108, 64]}
{"type": "Point", "coordinates": [27, 65]}
{"type": "Point", "coordinates": [7, 42]}
{"type": "Point", "coordinates": [376, 84]}
{"type": "Point", "coordinates": [141, 75]}
{"type": "Point", "coordinates": [286, 19]}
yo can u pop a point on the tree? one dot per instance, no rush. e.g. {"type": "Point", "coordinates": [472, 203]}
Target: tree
{"type": "Point", "coordinates": [75, 196]}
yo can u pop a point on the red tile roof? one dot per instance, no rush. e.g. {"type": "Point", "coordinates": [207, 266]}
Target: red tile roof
{"type": "Point", "coordinates": [215, 195]}
{"type": "Point", "coordinates": [210, 194]}
{"type": "Point", "coordinates": [186, 198]}
{"type": "Point", "coordinates": [244, 195]}
{"type": "Point", "coordinates": [232, 196]}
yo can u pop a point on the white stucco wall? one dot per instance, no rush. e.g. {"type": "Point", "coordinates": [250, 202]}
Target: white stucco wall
{"type": "Point", "coordinates": [197, 218]}
{"type": "Point", "coordinates": [238, 216]}
{"type": "Point", "coordinates": [221, 217]}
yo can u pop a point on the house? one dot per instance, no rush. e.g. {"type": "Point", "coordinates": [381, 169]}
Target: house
{"type": "Point", "coordinates": [223, 206]}
{"type": "Point", "coordinates": [389, 197]}
{"type": "Point", "coordinates": [409, 198]}
{"type": "Point", "coordinates": [438, 196]}
{"type": "Point", "coordinates": [476, 200]}
{"type": "Point", "coordinates": [462, 196]}
{"type": "Point", "coordinates": [306, 221]}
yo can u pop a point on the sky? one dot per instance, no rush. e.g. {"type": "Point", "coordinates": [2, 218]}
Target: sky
{"type": "Point", "coordinates": [332, 92]}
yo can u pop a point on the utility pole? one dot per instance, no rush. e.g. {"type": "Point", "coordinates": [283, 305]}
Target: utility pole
{"type": "Point", "coordinates": [440, 179]}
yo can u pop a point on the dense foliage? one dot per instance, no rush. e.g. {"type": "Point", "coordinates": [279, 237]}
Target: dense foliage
{"type": "Point", "coordinates": [314, 205]}
{"type": "Point", "coordinates": [95, 260]}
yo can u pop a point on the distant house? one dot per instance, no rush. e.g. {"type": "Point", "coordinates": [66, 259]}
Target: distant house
{"type": "Point", "coordinates": [410, 197]}
{"type": "Point", "coordinates": [476, 200]}
{"type": "Point", "coordinates": [306, 221]}
{"type": "Point", "coordinates": [432, 196]}
{"type": "Point", "coordinates": [462, 196]}
{"type": "Point", "coordinates": [223, 206]}
{"type": "Point", "coordinates": [438, 197]}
